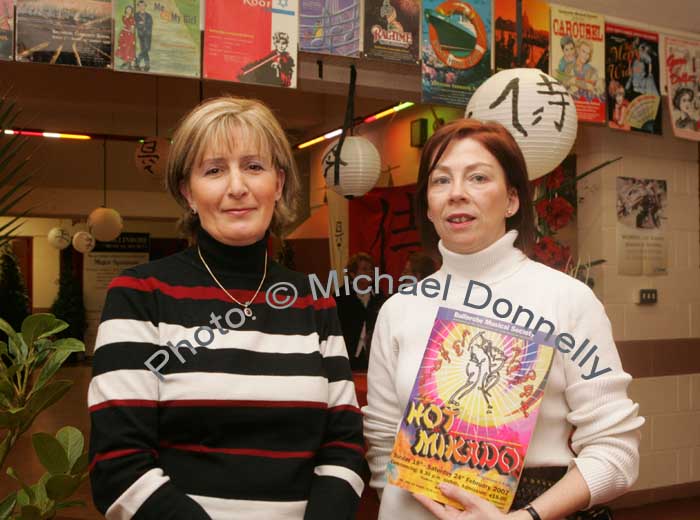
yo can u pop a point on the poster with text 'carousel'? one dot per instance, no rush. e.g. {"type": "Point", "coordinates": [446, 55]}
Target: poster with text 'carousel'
{"type": "Point", "coordinates": [577, 51]}
{"type": "Point", "coordinates": [252, 41]}
{"type": "Point", "coordinates": [330, 27]}
{"type": "Point", "coordinates": [65, 32]}
{"type": "Point", "coordinates": [158, 37]}
{"type": "Point", "coordinates": [456, 50]}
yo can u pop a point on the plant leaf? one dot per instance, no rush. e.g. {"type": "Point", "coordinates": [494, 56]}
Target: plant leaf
{"type": "Point", "coordinates": [7, 506]}
{"type": "Point", "coordinates": [63, 505]}
{"type": "Point", "coordinates": [54, 362]}
{"type": "Point", "coordinates": [26, 491]}
{"type": "Point", "coordinates": [72, 440]}
{"type": "Point", "coordinates": [41, 325]}
{"type": "Point", "coordinates": [80, 465]}
{"type": "Point", "coordinates": [42, 399]}
{"type": "Point", "coordinates": [6, 389]}
{"type": "Point", "coordinates": [69, 345]}
{"type": "Point", "coordinates": [59, 487]}
{"type": "Point", "coordinates": [51, 453]}
{"type": "Point", "coordinates": [30, 513]}
{"type": "Point", "coordinates": [5, 446]}
{"type": "Point", "coordinates": [7, 329]}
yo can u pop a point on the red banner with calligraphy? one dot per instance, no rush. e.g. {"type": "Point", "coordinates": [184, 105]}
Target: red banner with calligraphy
{"type": "Point", "coordinates": [382, 223]}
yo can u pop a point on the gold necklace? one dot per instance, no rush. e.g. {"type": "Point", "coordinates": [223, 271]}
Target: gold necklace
{"type": "Point", "coordinates": [246, 306]}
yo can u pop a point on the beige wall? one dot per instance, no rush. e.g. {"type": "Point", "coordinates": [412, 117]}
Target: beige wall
{"type": "Point", "coordinates": [670, 449]}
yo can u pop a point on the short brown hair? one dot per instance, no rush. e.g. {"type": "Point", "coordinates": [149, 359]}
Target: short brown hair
{"type": "Point", "coordinates": [355, 260]}
{"type": "Point", "coordinates": [216, 121]}
{"type": "Point", "coordinates": [500, 143]}
{"type": "Point", "coordinates": [421, 264]}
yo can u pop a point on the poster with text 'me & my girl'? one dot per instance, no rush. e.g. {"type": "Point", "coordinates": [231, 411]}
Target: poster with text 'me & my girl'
{"type": "Point", "coordinates": [252, 41]}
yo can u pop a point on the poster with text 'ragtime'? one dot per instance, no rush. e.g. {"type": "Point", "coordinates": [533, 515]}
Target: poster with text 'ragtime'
{"type": "Point", "coordinates": [159, 37]}
{"type": "Point", "coordinates": [7, 28]}
{"type": "Point", "coordinates": [683, 84]}
{"type": "Point", "coordinates": [456, 54]}
{"type": "Point", "coordinates": [632, 78]}
{"type": "Point", "coordinates": [473, 408]}
{"type": "Point", "coordinates": [330, 27]}
{"type": "Point", "coordinates": [65, 32]}
{"type": "Point", "coordinates": [392, 30]}
{"type": "Point", "coordinates": [252, 41]}
{"type": "Point", "coordinates": [577, 50]}
{"type": "Point", "coordinates": [530, 27]}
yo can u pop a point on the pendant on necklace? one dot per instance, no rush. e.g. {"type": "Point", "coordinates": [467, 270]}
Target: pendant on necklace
{"type": "Point", "coordinates": [247, 311]}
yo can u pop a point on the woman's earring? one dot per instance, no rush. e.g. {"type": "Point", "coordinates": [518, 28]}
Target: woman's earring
{"type": "Point", "coordinates": [194, 211]}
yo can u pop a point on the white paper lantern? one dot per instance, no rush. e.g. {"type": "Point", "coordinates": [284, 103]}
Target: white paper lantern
{"type": "Point", "coordinates": [83, 242]}
{"type": "Point", "coordinates": [59, 238]}
{"type": "Point", "coordinates": [536, 109]}
{"type": "Point", "coordinates": [105, 224]}
{"type": "Point", "coordinates": [359, 168]}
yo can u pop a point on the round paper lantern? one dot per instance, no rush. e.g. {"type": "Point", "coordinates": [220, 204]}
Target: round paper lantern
{"type": "Point", "coordinates": [151, 156]}
{"type": "Point", "coordinates": [360, 167]}
{"type": "Point", "coordinates": [536, 109]}
{"type": "Point", "coordinates": [59, 238]}
{"type": "Point", "coordinates": [105, 224]}
{"type": "Point", "coordinates": [83, 242]}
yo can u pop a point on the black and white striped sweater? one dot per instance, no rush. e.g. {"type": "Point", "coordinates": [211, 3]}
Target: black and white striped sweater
{"type": "Point", "coordinates": [259, 421]}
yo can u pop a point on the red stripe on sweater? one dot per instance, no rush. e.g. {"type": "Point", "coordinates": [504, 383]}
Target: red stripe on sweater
{"type": "Point", "coordinates": [117, 454]}
{"type": "Point", "coordinates": [341, 444]}
{"type": "Point", "coordinates": [129, 403]}
{"type": "Point", "coordinates": [198, 448]}
{"type": "Point", "coordinates": [151, 284]}
{"type": "Point", "coordinates": [345, 408]}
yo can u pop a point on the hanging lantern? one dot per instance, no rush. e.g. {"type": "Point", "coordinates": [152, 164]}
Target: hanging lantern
{"type": "Point", "coordinates": [360, 167]}
{"type": "Point", "coordinates": [151, 156]}
{"type": "Point", "coordinates": [83, 242]}
{"type": "Point", "coordinates": [105, 224]}
{"type": "Point", "coordinates": [59, 238]}
{"type": "Point", "coordinates": [536, 109]}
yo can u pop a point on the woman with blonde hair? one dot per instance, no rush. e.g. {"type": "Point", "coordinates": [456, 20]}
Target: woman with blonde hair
{"type": "Point", "coordinates": [206, 402]}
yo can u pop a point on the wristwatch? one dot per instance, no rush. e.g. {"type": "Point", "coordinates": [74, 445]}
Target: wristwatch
{"type": "Point", "coordinates": [532, 512]}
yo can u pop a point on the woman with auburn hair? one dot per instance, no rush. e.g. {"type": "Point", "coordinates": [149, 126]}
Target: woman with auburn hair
{"type": "Point", "coordinates": [473, 203]}
{"type": "Point", "coordinates": [205, 401]}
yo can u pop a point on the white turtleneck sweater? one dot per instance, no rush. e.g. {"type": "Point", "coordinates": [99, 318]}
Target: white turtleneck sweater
{"type": "Point", "coordinates": [581, 394]}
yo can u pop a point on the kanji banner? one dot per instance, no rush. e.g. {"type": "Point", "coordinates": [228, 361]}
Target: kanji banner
{"type": "Point", "coordinates": [522, 38]}
{"type": "Point", "coordinates": [157, 37]}
{"type": "Point", "coordinates": [252, 41]}
{"type": "Point", "coordinates": [7, 28]}
{"type": "Point", "coordinates": [683, 83]}
{"type": "Point", "coordinates": [382, 223]}
{"type": "Point", "coordinates": [392, 30]}
{"type": "Point", "coordinates": [456, 49]}
{"type": "Point", "coordinates": [577, 50]}
{"type": "Point", "coordinates": [330, 27]}
{"type": "Point", "coordinates": [632, 75]}
{"type": "Point", "coordinates": [65, 32]}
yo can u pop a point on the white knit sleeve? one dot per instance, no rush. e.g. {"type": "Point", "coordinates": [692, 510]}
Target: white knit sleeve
{"type": "Point", "coordinates": [606, 426]}
{"type": "Point", "coordinates": [383, 412]}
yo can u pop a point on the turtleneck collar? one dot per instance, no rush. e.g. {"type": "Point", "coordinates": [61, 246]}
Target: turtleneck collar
{"type": "Point", "coordinates": [225, 259]}
{"type": "Point", "coordinates": [498, 261]}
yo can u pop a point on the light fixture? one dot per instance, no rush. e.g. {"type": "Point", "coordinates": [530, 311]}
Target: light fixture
{"type": "Point", "coordinates": [369, 119]}
{"type": "Point", "coordinates": [53, 135]}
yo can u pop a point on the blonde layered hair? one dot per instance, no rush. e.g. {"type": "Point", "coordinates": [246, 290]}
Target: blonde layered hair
{"type": "Point", "coordinates": [222, 124]}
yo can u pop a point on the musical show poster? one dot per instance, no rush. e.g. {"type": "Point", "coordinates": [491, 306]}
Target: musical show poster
{"type": "Point", "coordinates": [632, 79]}
{"type": "Point", "coordinates": [456, 54]}
{"type": "Point", "coordinates": [392, 30]}
{"type": "Point", "coordinates": [683, 84]}
{"type": "Point", "coordinates": [330, 27]}
{"type": "Point", "coordinates": [531, 28]}
{"type": "Point", "coordinates": [642, 245]}
{"type": "Point", "coordinates": [7, 28]}
{"type": "Point", "coordinates": [65, 32]}
{"type": "Point", "coordinates": [159, 37]}
{"type": "Point", "coordinates": [577, 50]}
{"type": "Point", "coordinates": [473, 408]}
{"type": "Point", "coordinates": [252, 41]}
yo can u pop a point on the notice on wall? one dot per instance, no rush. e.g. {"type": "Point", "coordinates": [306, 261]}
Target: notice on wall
{"type": "Point", "coordinates": [103, 264]}
{"type": "Point", "coordinates": [642, 245]}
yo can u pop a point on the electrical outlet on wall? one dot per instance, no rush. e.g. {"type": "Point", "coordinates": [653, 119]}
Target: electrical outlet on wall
{"type": "Point", "coordinates": [646, 297]}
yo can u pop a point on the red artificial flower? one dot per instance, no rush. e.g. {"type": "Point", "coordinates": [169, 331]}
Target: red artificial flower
{"type": "Point", "coordinates": [557, 212]}
{"type": "Point", "coordinates": [552, 253]}
{"type": "Point", "coordinates": [555, 178]}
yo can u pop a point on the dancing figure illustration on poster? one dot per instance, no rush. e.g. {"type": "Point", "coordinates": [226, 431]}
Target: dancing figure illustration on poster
{"type": "Point", "coordinates": [275, 68]}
